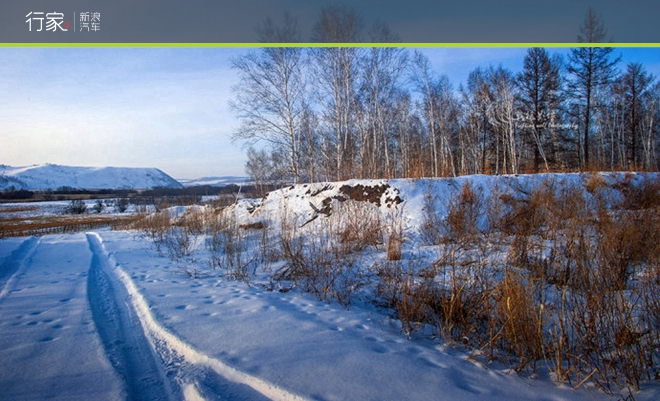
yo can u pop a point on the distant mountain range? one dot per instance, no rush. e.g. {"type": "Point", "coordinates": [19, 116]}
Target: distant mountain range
{"type": "Point", "coordinates": [216, 181]}
{"type": "Point", "coordinates": [53, 176]}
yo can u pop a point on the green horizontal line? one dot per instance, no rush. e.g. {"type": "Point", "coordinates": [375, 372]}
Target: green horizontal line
{"type": "Point", "coordinates": [310, 44]}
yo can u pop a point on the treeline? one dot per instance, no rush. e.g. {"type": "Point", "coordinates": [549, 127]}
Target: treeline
{"type": "Point", "coordinates": [16, 194]}
{"type": "Point", "coordinates": [200, 190]}
{"type": "Point", "coordinates": [332, 113]}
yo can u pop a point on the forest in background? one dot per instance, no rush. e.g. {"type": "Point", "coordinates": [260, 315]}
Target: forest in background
{"type": "Point", "coordinates": [313, 114]}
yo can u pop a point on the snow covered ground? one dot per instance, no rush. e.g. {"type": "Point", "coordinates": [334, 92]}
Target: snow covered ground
{"type": "Point", "coordinates": [102, 315]}
{"type": "Point", "coordinates": [58, 208]}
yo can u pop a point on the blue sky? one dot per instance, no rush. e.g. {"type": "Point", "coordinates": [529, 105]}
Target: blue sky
{"type": "Point", "coordinates": [158, 107]}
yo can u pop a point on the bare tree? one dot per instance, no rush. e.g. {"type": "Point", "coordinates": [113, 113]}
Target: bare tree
{"type": "Point", "coordinates": [270, 96]}
{"type": "Point", "coordinates": [438, 110]}
{"type": "Point", "coordinates": [636, 82]}
{"type": "Point", "coordinates": [382, 68]}
{"type": "Point", "coordinates": [476, 133]}
{"type": "Point", "coordinates": [336, 70]}
{"type": "Point", "coordinates": [259, 168]}
{"type": "Point", "coordinates": [408, 135]}
{"type": "Point", "coordinates": [650, 127]}
{"type": "Point", "coordinates": [592, 68]}
{"type": "Point", "coordinates": [502, 117]}
{"type": "Point", "coordinates": [539, 86]}
{"type": "Point", "coordinates": [611, 125]}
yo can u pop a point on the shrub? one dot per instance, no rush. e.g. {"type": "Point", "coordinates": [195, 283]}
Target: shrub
{"type": "Point", "coordinates": [155, 226]}
{"type": "Point", "coordinates": [464, 211]}
{"type": "Point", "coordinates": [178, 242]}
{"type": "Point", "coordinates": [121, 205]}
{"type": "Point", "coordinates": [356, 224]}
{"type": "Point", "coordinates": [463, 304]}
{"type": "Point", "coordinates": [98, 206]}
{"type": "Point", "coordinates": [228, 246]}
{"type": "Point", "coordinates": [193, 221]}
{"type": "Point", "coordinates": [519, 318]}
{"type": "Point", "coordinates": [431, 222]}
{"type": "Point", "coordinates": [77, 206]}
{"type": "Point", "coordinates": [319, 261]}
{"type": "Point", "coordinates": [413, 298]}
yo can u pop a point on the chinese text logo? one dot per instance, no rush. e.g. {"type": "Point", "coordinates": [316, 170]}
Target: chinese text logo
{"type": "Point", "coordinates": [38, 20]}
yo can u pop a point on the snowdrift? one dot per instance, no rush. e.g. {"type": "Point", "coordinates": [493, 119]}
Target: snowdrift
{"type": "Point", "coordinates": [411, 196]}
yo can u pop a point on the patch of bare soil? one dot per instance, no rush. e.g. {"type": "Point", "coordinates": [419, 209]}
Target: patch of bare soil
{"type": "Point", "coordinates": [363, 193]}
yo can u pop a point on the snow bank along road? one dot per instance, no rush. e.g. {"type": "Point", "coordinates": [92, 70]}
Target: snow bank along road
{"type": "Point", "coordinates": [89, 316]}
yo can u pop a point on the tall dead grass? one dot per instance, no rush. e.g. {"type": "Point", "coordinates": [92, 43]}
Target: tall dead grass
{"type": "Point", "coordinates": [61, 224]}
{"type": "Point", "coordinates": [576, 289]}
{"type": "Point", "coordinates": [228, 245]}
{"type": "Point", "coordinates": [556, 274]}
{"type": "Point", "coordinates": [323, 258]}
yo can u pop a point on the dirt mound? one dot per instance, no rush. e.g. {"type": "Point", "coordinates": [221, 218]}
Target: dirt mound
{"type": "Point", "coordinates": [373, 194]}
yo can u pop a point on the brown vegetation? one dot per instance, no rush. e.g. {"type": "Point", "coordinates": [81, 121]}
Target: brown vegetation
{"type": "Point", "coordinates": [42, 225]}
{"type": "Point", "coordinates": [556, 276]}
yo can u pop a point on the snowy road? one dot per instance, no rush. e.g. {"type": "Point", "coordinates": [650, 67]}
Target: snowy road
{"type": "Point", "coordinates": [103, 317]}
{"type": "Point", "coordinates": [74, 327]}
{"type": "Point", "coordinates": [144, 351]}
{"type": "Point", "coordinates": [73, 331]}
{"type": "Point", "coordinates": [48, 344]}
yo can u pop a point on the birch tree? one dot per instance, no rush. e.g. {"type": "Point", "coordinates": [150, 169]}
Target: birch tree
{"type": "Point", "coordinates": [336, 71]}
{"type": "Point", "coordinates": [382, 68]}
{"type": "Point", "coordinates": [270, 96]}
{"type": "Point", "coordinates": [502, 117]}
{"type": "Point", "coordinates": [476, 133]}
{"type": "Point", "coordinates": [438, 108]}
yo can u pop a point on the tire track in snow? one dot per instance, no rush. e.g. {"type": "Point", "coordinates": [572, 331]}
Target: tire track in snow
{"type": "Point", "coordinates": [14, 264]}
{"type": "Point", "coordinates": [125, 344]}
{"type": "Point", "coordinates": [196, 374]}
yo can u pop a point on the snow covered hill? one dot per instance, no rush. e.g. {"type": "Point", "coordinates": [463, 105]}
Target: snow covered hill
{"type": "Point", "coordinates": [53, 176]}
{"type": "Point", "coordinates": [305, 202]}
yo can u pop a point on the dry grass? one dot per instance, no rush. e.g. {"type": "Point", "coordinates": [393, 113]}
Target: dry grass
{"type": "Point", "coordinates": [18, 209]}
{"type": "Point", "coordinates": [519, 317]}
{"type": "Point", "coordinates": [394, 234]}
{"type": "Point", "coordinates": [411, 297]}
{"type": "Point", "coordinates": [229, 247]}
{"type": "Point", "coordinates": [154, 226]}
{"type": "Point", "coordinates": [192, 221]}
{"type": "Point", "coordinates": [23, 226]}
{"type": "Point", "coordinates": [576, 288]}
{"type": "Point", "coordinates": [356, 225]}
{"type": "Point", "coordinates": [463, 213]}
{"type": "Point", "coordinates": [430, 229]}
{"type": "Point", "coordinates": [321, 261]}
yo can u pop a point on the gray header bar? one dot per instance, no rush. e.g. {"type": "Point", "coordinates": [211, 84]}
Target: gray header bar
{"type": "Point", "coordinates": [415, 21]}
